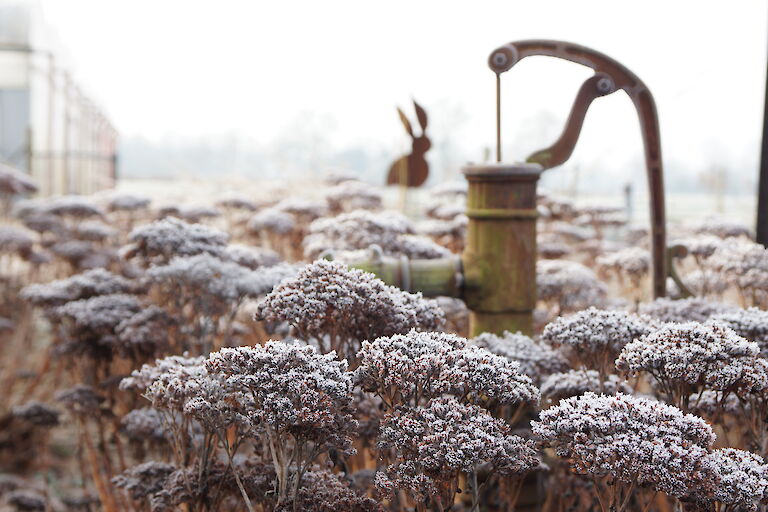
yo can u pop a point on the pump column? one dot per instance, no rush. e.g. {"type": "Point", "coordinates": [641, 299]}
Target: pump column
{"type": "Point", "coordinates": [499, 258]}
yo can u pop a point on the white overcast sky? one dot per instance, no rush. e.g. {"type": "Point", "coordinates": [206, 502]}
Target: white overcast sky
{"type": "Point", "coordinates": [189, 68]}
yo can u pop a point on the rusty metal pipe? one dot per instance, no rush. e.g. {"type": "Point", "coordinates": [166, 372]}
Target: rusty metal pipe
{"type": "Point", "coordinates": [500, 251]}
{"type": "Point", "coordinates": [434, 278]}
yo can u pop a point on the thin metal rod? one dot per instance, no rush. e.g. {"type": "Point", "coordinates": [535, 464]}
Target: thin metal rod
{"type": "Point", "coordinates": [498, 117]}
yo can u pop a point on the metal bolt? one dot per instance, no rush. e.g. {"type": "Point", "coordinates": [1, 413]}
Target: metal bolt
{"type": "Point", "coordinates": [605, 85]}
{"type": "Point", "coordinates": [500, 59]}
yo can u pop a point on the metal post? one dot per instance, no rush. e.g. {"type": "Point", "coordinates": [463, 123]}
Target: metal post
{"type": "Point", "coordinates": [500, 252]}
{"type": "Point", "coordinates": [762, 191]}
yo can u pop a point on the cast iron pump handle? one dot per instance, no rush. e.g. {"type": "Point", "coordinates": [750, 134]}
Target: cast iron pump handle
{"type": "Point", "coordinates": [610, 76]}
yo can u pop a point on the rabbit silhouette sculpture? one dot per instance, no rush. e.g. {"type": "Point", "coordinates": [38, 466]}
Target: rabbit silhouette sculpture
{"type": "Point", "coordinates": [412, 170]}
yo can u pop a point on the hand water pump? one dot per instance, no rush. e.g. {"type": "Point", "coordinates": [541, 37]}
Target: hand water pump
{"type": "Point", "coordinates": [496, 274]}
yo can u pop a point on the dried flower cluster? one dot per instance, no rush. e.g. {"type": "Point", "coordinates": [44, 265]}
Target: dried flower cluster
{"type": "Point", "coordinates": [437, 443]}
{"type": "Point", "coordinates": [412, 368]}
{"type": "Point", "coordinates": [272, 220]}
{"type": "Point", "coordinates": [537, 359]}
{"type": "Point", "coordinates": [692, 309]}
{"type": "Point", "coordinates": [210, 279]}
{"type": "Point", "coordinates": [577, 382]}
{"type": "Point", "coordinates": [37, 413]}
{"type": "Point", "coordinates": [632, 263]}
{"type": "Point", "coordinates": [352, 195]}
{"type": "Point", "coordinates": [298, 396]}
{"type": "Point", "coordinates": [16, 240]}
{"type": "Point", "coordinates": [362, 229]}
{"type": "Point", "coordinates": [751, 323]}
{"type": "Point", "coordinates": [723, 228]}
{"type": "Point", "coordinates": [14, 183]}
{"type": "Point", "coordinates": [596, 336]}
{"type": "Point", "coordinates": [567, 285]}
{"type": "Point", "coordinates": [168, 238]}
{"type": "Point", "coordinates": [736, 478]}
{"type": "Point", "coordinates": [637, 441]}
{"type": "Point", "coordinates": [127, 202]}
{"type": "Point", "coordinates": [744, 264]}
{"type": "Point", "coordinates": [687, 358]}
{"type": "Point", "coordinates": [339, 307]}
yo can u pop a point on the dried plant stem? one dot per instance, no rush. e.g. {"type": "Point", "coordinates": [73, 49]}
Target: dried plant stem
{"type": "Point", "coordinates": [650, 502]}
{"type": "Point", "coordinates": [106, 497]}
{"type": "Point", "coordinates": [38, 378]}
{"type": "Point", "coordinates": [599, 496]}
{"type": "Point", "coordinates": [227, 448]}
{"type": "Point", "coordinates": [627, 496]}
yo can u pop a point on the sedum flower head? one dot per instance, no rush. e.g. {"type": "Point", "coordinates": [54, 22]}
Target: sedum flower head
{"type": "Point", "coordinates": [271, 220]}
{"type": "Point", "coordinates": [79, 286]}
{"type": "Point", "coordinates": [691, 353]}
{"type": "Point", "coordinates": [536, 358]}
{"type": "Point", "coordinates": [237, 202]}
{"type": "Point", "coordinates": [185, 386]}
{"type": "Point", "coordinates": [127, 202]}
{"type": "Point", "coordinates": [16, 240]}
{"type": "Point", "coordinates": [303, 209]}
{"type": "Point", "coordinates": [144, 424]}
{"type": "Point", "coordinates": [408, 365]}
{"type": "Point", "coordinates": [751, 324]}
{"type": "Point", "coordinates": [628, 438]}
{"type": "Point", "coordinates": [94, 230]}
{"type": "Point", "coordinates": [361, 229]}
{"type": "Point", "coordinates": [146, 332]}
{"type": "Point", "coordinates": [166, 238]}
{"type": "Point", "coordinates": [699, 246]}
{"type": "Point", "coordinates": [737, 478]}
{"type": "Point", "coordinates": [145, 479]}
{"type": "Point", "coordinates": [434, 444]}
{"type": "Point", "coordinates": [142, 378]}
{"type": "Point", "coordinates": [577, 382]}
{"type": "Point", "coordinates": [328, 298]}
{"type": "Point", "coordinates": [692, 309]}
{"type": "Point", "coordinates": [723, 228]}
{"type": "Point", "coordinates": [353, 195]}
{"type": "Point", "coordinates": [293, 388]}
{"type": "Point", "coordinates": [13, 182]}
{"type": "Point", "coordinates": [73, 206]}
{"type": "Point", "coordinates": [81, 400]}
{"type": "Point", "coordinates": [102, 313]}
{"type": "Point", "coordinates": [485, 379]}
{"type": "Point", "coordinates": [37, 413]}
{"type": "Point", "coordinates": [325, 491]}
{"type": "Point", "coordinates": [252, 257]}
{"type": "Point", "coordinates": [744, 263]}
{"type": "Point", "coordinates": [633, 262]}
{"type": "Point", "coordinates": [215, 283]}
{"type": "Point", "coordinates": [423, 365]}
{"type": "Point", "coordinates": [596, 336]}
{"type": "Point", "coordinates": [569, 284]}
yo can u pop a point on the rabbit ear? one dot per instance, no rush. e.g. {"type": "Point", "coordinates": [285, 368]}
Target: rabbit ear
{"type": "Point", "coordinates": [421, 114]}
{"type": "Point", "coordinates": [405, 122]}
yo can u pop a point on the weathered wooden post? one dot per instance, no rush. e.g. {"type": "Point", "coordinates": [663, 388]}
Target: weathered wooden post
{"type": "Point", "coordinates": [499, 258]}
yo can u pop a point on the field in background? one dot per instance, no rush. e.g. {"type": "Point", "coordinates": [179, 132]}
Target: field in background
{"type": "Point", "coordinates": [681, 208]}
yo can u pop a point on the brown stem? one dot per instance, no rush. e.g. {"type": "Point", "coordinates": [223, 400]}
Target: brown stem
{"type": "Point", "coordinates": [247, 500]}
